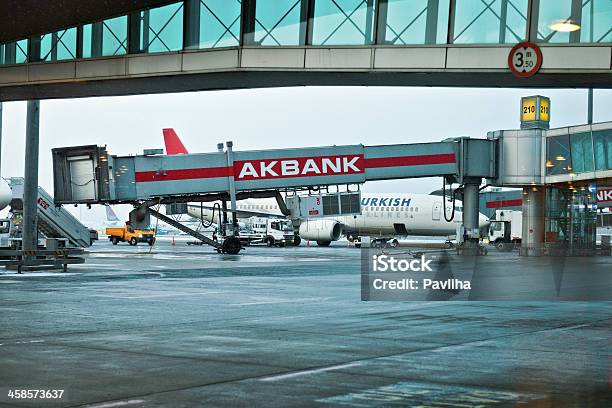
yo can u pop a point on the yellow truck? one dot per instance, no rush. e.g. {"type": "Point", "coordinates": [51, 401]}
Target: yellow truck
{"type": "Point", "coordinates": [130, 235]}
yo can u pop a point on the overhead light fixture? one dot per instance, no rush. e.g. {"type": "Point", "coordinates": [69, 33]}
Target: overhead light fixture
{"type": "Point", "coordinates": [560, 158]}
{"type": "Point", "coordinates": [549, 163]}
{"type": "Point", "coordinates": [564, 26]}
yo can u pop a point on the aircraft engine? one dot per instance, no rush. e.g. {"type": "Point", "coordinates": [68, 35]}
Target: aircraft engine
{"type": "Point", "coordinates": [5, 194]}
{"type": "Point", "coordinates": [320, 230]}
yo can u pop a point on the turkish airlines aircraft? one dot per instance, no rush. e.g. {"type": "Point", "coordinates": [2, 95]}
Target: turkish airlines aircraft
{"type": "Point", "coordinates": [382, 215]}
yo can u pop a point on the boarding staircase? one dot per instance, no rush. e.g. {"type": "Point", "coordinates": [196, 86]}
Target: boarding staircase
{"type": "Point", "coordinates": [53, 222]}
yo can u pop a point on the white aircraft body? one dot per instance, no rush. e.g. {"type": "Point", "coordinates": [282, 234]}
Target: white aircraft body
{"type": "Point", "coordinates": [382, 215]}
{"type": "Point", "coordinates": [6, 195]}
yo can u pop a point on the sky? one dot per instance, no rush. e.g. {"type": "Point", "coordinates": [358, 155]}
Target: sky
{"type": "Point", "coordinates": [279, 118]}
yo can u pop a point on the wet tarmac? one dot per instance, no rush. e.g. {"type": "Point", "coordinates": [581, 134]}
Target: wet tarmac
{"type": "Point", "coordinates": [180, 326]}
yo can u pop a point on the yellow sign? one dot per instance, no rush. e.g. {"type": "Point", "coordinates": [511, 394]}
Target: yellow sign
{"type": "Point", "coordinates": [529, 107]}
{"type": "Point", "coordinates": [545, 109]}
{"type": "Point", "coordinates": [535, 112]}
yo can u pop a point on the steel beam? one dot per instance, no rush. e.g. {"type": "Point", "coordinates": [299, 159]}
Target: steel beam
{"type": "Point", "coordinates": [191, 18]}
{"type": "Point", "coordinates": [96, 39]}
{"type": "Point", "coordinates": [431, 24]}
{"type": "Point", "coordinates": [232, 187]}
{"type": "Point", "coordinates": [590, 107]}
{"type": "Point", "coordinates": [30, 188]}
{"type": "Point", "coordinates": [471, 210]}
{"type": "Point", "coordinates": [576, 19]}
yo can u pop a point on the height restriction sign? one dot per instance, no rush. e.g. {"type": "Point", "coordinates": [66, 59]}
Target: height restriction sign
{"type": "Point", "coordinates": [525, 59]}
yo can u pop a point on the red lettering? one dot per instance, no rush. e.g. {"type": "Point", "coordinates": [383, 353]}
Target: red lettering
{"type": "Point", "coordinates": [298, 167]}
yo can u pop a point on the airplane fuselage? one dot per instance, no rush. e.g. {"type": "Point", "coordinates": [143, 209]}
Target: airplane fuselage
{"type": "Point", "coordinates": [381, 215]}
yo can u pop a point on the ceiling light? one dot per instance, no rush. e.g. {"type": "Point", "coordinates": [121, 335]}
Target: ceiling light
{"type": "Point", "coordinates": [564, 26]}
{"type": "Point", "coordinates": [560, 158]}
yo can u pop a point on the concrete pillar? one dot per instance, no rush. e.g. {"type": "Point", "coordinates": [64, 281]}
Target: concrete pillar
{"type": "Point", "coordinates": [470, 209]}
{"type": "Point", "coordinates": [534, 211]}
{"type": "Point", "coordinates": [30, 187]}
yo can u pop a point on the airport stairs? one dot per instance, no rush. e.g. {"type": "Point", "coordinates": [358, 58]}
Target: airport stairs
{"type": "Point", "coordinates": [53, 222]}
{"type": "Point", "coordinates": [184, 228]}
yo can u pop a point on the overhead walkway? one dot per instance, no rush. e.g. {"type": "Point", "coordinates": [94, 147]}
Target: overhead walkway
{"type": "Point", "coordinates": [203, 44]}
{"type": "Point", "coordinates": [53, 222]}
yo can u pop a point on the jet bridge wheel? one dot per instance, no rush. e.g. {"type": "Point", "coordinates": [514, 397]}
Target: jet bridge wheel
{"type": "Point", "coordinates": [232, 245]}
{"type": "Point", "coordinates": [296, 240]}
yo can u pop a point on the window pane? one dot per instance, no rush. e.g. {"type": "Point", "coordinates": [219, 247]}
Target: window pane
{"type": "Point", "coordinates": [558, 158]}
{"type": "Point", "coordinates": [161, 29]}
{"type": "Point", "coordinates": [590, 22]}
{"type": "Point", "coordinates": [108, 37]}
{"type": "Point", "coordinates": [60, 45]}
{"type": "Point", "coordinates": [14, 52]}
{"type": "Point", "coordinates": [582, 152]}
{"type": "Point", "coordinates": [603, 149]}
{"type": "Point", "coordinates": [277, 22]}
{"type": "Point", "coordinates": [551, 12]}
{"type": "Point", "coordinates": [343, 22]}
{"type": "Point", "coordinates": [219, 23]}
{"type": "Point", "coordinates": [416, 22]}
{"type": "Point", "coordinates": [21, 51]}
{"type": "Point", "coordinates": [596, 19]}
{"type": "Point", "coordinates": [490, 21]}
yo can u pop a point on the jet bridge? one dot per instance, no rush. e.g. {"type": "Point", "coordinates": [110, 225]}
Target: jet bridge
{"type": "Point", "coordinates": [90, 175]}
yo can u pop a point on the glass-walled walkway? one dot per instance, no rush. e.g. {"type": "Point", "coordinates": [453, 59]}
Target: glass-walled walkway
{"type": "Point", "coordinates": [207, 24]}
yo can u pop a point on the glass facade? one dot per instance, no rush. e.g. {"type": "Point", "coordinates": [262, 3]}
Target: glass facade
{"type": "Point", "coordinates": [56, 46]}
{"type": "Point", "coordinates": [414, 22]}
{"type": "Point", "coordinates": [575, 21]}
{"type": "Point", "coordinates": [161, 29]}
{"type": "Point", "coordinates": [581, 152]}
{"type": "Point", "coordinates": [343, 22]}
{"type": "Point", "coordinates": [490, 21]}
{"type": "Point", "coordinates": [571, 220]}
{"type": "Point", "coordinates": [558, 156]}
{"type": "Point", "coordinates": [202, 24]}
{"type": "Point", "coordinates": [105, 38]}
{"type": "Point", "coordinates": [602, 141]}
{"type": "Point", "coordinates": [219, 23]}
{"type": "Point", "coordinates": [14, 52]}
{"type": "Point", "coordinates": [279, 22]}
